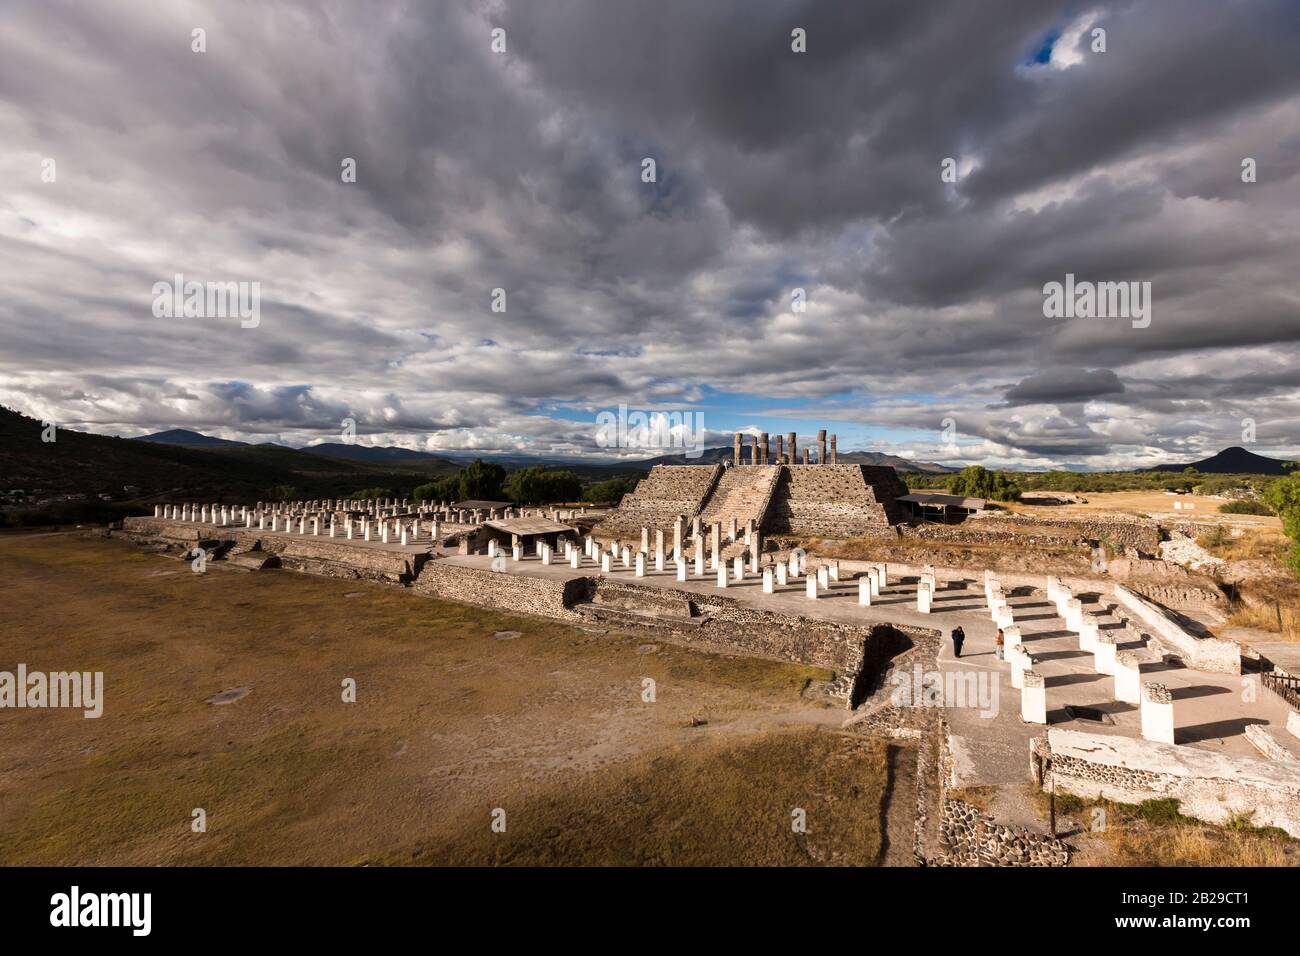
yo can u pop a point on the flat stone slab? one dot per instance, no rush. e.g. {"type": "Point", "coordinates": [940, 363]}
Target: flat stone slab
{"type": "Point", "coordinates": [228, 696]}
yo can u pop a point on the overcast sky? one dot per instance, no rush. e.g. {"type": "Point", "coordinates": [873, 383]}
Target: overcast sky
{"type": "Point", "coordinates": [775, 170]}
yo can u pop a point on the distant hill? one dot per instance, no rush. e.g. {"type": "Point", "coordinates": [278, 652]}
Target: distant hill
{"type": "Point", "coordinates": [375, 455]}
{"type": "Point", "coordinates": [724, 453]}
{"type": "Point", "coordinates": [81, 463]}
{"type": "Point", "coordinates": [187, 439]}
{"type": "Point", "coordinates": [1232, 461]}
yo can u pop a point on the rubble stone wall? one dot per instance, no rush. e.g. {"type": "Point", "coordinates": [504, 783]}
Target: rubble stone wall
{"type": "Point", "coordinates": [1209, 786]}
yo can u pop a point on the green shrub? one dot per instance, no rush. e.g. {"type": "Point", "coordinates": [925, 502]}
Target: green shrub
{"type": "Point", "coordinates": [1245, 508]}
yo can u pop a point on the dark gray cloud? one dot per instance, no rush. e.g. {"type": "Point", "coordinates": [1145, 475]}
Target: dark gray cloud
{"type": "Point", "coordinates": [478, 171]}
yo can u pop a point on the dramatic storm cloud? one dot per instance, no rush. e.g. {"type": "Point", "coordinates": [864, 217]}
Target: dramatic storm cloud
{"type": "Point", "coordinates": [135, 150]}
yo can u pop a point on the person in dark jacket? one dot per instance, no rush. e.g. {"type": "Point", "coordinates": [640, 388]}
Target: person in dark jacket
{"type": "Point", "coordinates": [958, 639]}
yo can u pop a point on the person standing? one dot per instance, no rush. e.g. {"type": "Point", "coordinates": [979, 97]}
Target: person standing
{"type": "Point", "coordinates": [998, 645]}
{"type": "Point", "coordinates": [958, 639]}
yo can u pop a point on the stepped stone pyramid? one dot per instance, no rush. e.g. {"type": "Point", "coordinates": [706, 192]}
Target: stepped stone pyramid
{"type": "Point", "coordinates": [834, 501]}
{"type": "Point", "coordinates": [666, 493]}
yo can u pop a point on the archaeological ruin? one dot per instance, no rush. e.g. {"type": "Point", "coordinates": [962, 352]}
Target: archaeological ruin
{"type": "Point", "coordinates": [1082, 679]}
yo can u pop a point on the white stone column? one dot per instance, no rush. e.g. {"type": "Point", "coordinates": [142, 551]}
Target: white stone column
{"type": "Point", "coordinates": [546, 555]}
{"type": "Point", "coordinates": [923, 599]}
{"type": "Point", "coordinates": [699, 564]}
{"type": "Point", "coordinates": [794, 565]}
{"type": "Point", "coordinates": [810, 586]}
{"type": "Point", "coordinates": [681, 568]}
{"type": "Point", "coordinates": [768, 583]}
{"type": "Point", "coordinates": [1088, 631]}
{"type": "Point", "coordinates": [1128, 677]}
{"type": "Point", "coordinates": [884, 575]}
{"type": "Point", "coordinates": [604, 562]}
{"type": "Point", "coordinates": [492, 548]}
{"type": "Point", "coordinates": [1157, 713]}
{"type": "Point", "coordinates": [627, 556]}
{"type": "Point", "coordinates": [1033, 698]}
{"type": "Point", "coordinates": [738, 568]}
{"type": "Point", "coordinates": [1019, 660]}
{"type": "Point", "coordinates": [640, 564]}
{"type": "Point", "coordinates": [864, 591]}
{"type": "Point", "coordinates": [823, 577]}
{"type": "Point", "coordinates": [782, 573]}
{"type": "Point", "coordinates": [575, 557]}
{"type": "Point", "coordinates": [833, 570]}
{"type": "Point", "coordinates": [722, 575]}
{"type": "Point", "coordinates": [1103, 654]}
{"type": "Point", "coordinates": [517, 552]}
{"type": "Point", "coordinates": [1074, 615]}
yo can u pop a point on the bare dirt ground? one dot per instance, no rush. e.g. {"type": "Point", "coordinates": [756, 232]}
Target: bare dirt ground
{"type": "Point", "coordinates": [459, 712]}
{"type": "Point", "coordinates": [1157, 504]}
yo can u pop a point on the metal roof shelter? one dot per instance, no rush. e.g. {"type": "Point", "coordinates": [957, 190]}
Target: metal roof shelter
{"type": "Point", "coordinates": [474, 504]}
{"type": "Point", "coordinates": [523, 528]}
{"type": "Point", "coordinates": [947, 507]}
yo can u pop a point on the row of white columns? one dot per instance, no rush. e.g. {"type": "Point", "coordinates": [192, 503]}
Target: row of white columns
{"type": "Point", "coordinates": [395, 532]}
{"type": "Point", "coordinates": [1155, 701]}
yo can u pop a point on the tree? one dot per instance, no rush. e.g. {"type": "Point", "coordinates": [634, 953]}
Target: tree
{"type": "Point", "coordinates": [482, 481]}
{"type": "Point", "coordinates": [978, 482]}
{"type": "Point", "coordinates": [610, 491]}
{"type": "Point", "coordinates": [1283, 496]}
{"type": "Point", "coordinates": [536, 485]}
{"type": "Point", "coordinates": [446, 488]}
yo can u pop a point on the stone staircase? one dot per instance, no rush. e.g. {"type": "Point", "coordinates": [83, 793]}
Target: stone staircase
{"type": "Point", "coordinates": [620, 604]}
{"type": "Point", "coordinates": [744, 492]}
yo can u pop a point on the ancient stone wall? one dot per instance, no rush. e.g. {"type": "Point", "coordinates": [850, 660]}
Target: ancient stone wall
{"type": "Point", "coordinates": [1199, 653]}
{"type": "Point", "coordinates": [514, 593]}
{"type": "Point", "coordinates": [1210, 786]}
{"type": "Point", "coordinates": [1119, 533]}
{"type": "Point", "coordinates": [313, 554]}
{"type": "Point", "coordinates": [852, 652]}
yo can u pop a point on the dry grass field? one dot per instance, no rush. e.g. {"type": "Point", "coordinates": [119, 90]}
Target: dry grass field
{"type": "Point", "coordinates": [1155, 833]}
{"type": "Point", "coordinates": [458, 712]}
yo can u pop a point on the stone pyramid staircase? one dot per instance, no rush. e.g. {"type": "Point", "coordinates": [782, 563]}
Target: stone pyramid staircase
{"type": "Point", "coordinates": [744, 492]}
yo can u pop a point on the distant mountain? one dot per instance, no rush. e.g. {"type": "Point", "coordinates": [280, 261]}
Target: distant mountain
{"type": "Point", "coordinates": [1232, 461]}
{"type": "Point", "coordinates": [712, 456]}
{"type": "Point", "coordinates": [369, 453]}
{"type": "Point", "coordinates": [183, 466]}
{"type": "Point", "coordinates": [187, 439]}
